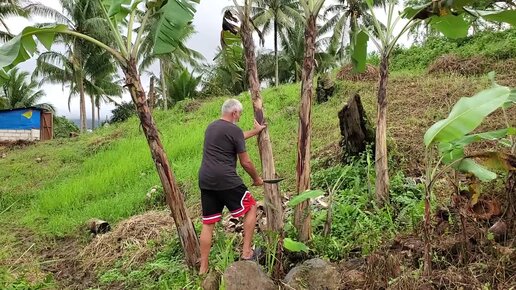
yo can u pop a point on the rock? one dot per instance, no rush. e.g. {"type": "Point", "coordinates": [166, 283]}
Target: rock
{"type": "Point", "coordinates": [246, 275]}
{"type": "Point", "coordinates": [499, 231]}
{"type": "Point", "coordinates": [313, 274]}
{"type": "Point", "coordinates": [212, 281]}
{"type": "Point", "coordinates": [354, 277]}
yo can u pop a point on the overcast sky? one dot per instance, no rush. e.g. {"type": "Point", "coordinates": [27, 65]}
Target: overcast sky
{"type": "Point", "coordinates": [207, 22]}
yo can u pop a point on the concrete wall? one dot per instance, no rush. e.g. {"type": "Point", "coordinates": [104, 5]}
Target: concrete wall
{"type": "Point", "coordinates": [14, 135]}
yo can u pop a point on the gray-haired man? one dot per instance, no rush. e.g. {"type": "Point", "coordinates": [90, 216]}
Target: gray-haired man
{"type": "Point", "coordinates": [219, 182]}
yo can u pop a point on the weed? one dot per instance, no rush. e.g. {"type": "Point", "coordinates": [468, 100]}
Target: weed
{"type": "Point", "coordinates": [358, 225]}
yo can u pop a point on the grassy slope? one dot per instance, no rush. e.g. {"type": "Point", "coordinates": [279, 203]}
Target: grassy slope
{"type": "Point", "coordinates": [107, 174]}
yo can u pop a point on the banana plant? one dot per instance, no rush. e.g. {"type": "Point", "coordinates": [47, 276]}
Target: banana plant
{"type": "Point", "coordinates": [450, 137]}
{"type": "Point", "coordinates": [123, 17]}
{"type": "Point", "coordinates": [302, 213]}
{"type": "Point", "coordinates": [453, 18]}
{"type": "Point", "coordinates": [446, 16]}
{"type": "Point", "coordinates": [383, 37]}
{"type": "Point", "coordinates": [237, 40]}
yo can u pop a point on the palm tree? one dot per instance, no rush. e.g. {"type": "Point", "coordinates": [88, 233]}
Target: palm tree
{"type": "Point", "coordinates": [293, 47]}
{"type": "Point", "coordinates": [7, 9]}
{"type": "Point", "coordinates": [81, 62]}
{"type": "Point", "coordinates": [92, 75]}
{"type": "Point", "coordinates": [20, 92]}
{"type": "Point", "coordinates": [100, 83]}
{"type": "Point", "coordinates": [279, 14]}
{"type": "Point", "coordinates": [109, 89]}
{"type": "Point", "coordinates": [174, 17]}
{"type": "Point", "coordinates": [171, 62]}
{"type": "Point", "coordinates": [346, 13]}
{"type": "Point", "coordinates": [181, 84]}
{"type": "Point", "coordinates": [10, 8]}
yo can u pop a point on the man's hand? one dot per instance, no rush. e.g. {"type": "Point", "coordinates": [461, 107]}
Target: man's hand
{"type": "Point", "coordinates": [258, 127]}
{"type": "Point", "coordinates": [255, 131]}
{"type": "Point", "coordinates": [258, 182]}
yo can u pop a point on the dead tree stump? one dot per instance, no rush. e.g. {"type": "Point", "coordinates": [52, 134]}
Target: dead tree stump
{"type": "Point", "coordinates": [325, 88]}
{"type": "Point", "coordinates": [355, 129]}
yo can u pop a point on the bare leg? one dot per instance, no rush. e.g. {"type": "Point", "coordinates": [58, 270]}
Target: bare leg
{"type": "Point", "coordinates": [205, 241]}
{"type": "Point", "coordinates": [249, 224]}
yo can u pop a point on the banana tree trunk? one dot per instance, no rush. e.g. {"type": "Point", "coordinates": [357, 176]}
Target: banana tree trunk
{"type": "Point", "coordinates": [152, 92]}
{"type": "Point", "coordinates": [510, 188]}
{"type": "Point", "coordinates": [82, 100]}
{"type": "Point", "coordinates": [382, 171]}
{"type": "Point", "coordinates": [302, 214]}
{"type": "Point", "coordinates": [98, 115]}
{"type": "Point", "coordinates": [174, 197]}
{"type": "Point", "coordinates": [276, 60]}
{"type": "Point", "coordinates": [274, 209]}
{"type": "Point", "coordinates": [92, 112]}
{"type": "Point", "coordinates": [427, 252]}
{"type": "Point", "coordinates": [164, 90]}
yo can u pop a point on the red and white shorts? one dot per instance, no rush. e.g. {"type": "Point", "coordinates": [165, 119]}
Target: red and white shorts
{"type": "Point", "coordinates": [238, 200]}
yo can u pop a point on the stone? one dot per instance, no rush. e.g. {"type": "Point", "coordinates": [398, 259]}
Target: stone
{"type": "Point", "coordinates": [212, 281]}
{"type": "Point", "coordinates": [247, 275]}
{"type": "Point", "coordinates": [313, 274]}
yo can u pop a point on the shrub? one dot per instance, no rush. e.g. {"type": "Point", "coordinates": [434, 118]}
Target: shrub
{"type": "Point", "coordinates": [358, 225]}
{"type": "Point", "coordinates": [492, 45]}
{"type": "Point", "coordinates": [122, 112]}
{"type": "Point", "coordinates": [63, 127]}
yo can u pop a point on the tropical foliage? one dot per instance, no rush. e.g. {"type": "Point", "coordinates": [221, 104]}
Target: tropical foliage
{"type": "Point", "coordinates": [20, 91]}
{"type": "Point", "coordinates": [98, 40]}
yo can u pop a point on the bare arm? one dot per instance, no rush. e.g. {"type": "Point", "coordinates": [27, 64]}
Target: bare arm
{"type": "Point", "coordinates": [248, 166]}
{"type": "Point", "coordinates": [255, 131]}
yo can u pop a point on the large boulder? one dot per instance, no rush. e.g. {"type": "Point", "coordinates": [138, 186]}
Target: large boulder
{"type": "Point", "coordinates": [247, 275]}
{"type": "Point", "coordinates": [313, 274]}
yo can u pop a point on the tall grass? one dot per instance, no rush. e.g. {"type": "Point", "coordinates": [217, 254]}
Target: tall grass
{"type": "Point", "coordinates": [107, 174]}
{"type": "Point", "coordinates": [112, 169]}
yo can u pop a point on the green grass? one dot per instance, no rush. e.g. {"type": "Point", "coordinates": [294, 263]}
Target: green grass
{"type": "Point", "coordinates": [107, 174]}
{"type": "Point", "coordinates": [493, 45]}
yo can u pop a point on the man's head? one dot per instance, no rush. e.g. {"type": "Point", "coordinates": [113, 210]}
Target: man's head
{"type": "Point", "coordinates": [232, 110]}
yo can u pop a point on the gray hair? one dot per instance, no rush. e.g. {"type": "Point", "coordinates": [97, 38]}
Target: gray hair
{"type": "Point", "coordinates": [231, 105]}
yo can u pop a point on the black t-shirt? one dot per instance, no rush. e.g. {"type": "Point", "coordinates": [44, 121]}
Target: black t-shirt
{"type": "Point", "coordinates": [223, 140]}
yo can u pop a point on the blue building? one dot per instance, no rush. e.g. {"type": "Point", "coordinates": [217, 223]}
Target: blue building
{"type": "Point", "coordinates": [26, 124]}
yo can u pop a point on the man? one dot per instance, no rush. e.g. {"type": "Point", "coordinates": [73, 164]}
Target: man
{"type": "Point", "coordinates": [219, 182]}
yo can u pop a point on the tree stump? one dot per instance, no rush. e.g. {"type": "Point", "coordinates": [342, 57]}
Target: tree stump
{"type": "Point", "coordinates": [325, 88]}
{"type": "Point", "coordinates": [355, 129]}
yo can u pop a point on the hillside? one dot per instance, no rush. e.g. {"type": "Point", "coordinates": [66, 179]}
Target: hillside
{"type": "Point", "coordinates": [49, 190]}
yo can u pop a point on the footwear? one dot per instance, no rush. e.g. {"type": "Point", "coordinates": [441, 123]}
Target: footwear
{"type": "Point", "coordinates": [257, 253]}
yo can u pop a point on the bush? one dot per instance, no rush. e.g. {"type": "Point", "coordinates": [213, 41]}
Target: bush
{"type": "Point", "coordinates": [493, 45]}
{"type": "Point", "coordinates": [358, 225]}
{"type": "Point", "coordinates": [63, 127]}
{"type": "Point", "coordinates": [122, 112]}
